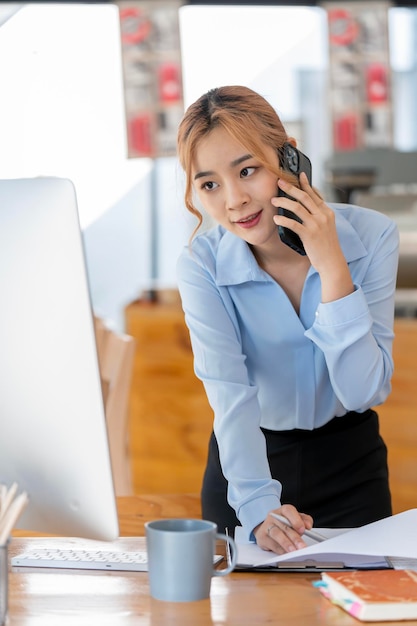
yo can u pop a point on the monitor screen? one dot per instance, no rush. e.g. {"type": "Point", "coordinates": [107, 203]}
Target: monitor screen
{"type": "Point", "coordinates": [53, 437]}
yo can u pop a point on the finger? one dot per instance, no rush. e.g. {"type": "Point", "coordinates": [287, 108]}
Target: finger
{"type": "Point", "coordinates": [290, 222]}
{"type": "Point", "coordinates": [270, 537]}
{"type": "Point", "coordinates": [297, 208]}
{"type": "Point", "coordinates": [271, 542]}
{"type": "Point", "coordinates": [306, 195]}
{"type": "Point", "coordinates": [299, 521]}
{"type": "Point", "coordinates": [308, 520]}
{"type": "Point", "coordinates": [304, 182]}
{"type": "Point", "coordinates": [285, 536]}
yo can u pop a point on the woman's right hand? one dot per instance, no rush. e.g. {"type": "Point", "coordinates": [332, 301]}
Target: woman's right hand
{"type": "Point", "coordinates": [276, 536]}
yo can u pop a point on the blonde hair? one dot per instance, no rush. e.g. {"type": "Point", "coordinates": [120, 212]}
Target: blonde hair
{"type": "Point", "coordinates": [245, 115]}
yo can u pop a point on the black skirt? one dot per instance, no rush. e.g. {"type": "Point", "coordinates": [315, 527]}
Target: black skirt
{"type": "Point", "coordinates": [338, 473]}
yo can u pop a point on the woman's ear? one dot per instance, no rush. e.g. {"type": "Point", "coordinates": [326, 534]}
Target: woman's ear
{"type": "Point", "coordinates": [292, 141]}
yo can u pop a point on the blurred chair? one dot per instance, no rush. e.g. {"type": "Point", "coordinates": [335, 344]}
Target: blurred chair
{"type": "Point", "coordinates": [116, 356]}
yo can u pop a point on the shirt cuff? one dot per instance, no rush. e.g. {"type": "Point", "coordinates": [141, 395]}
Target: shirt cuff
{"type": "Point", "coordinates": [254, 513]}
{"type": "Point", "coordinates": [342, 311]}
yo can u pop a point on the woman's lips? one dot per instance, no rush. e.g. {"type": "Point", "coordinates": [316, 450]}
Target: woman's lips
{"type": "Point", "coordinates": [250, 221]}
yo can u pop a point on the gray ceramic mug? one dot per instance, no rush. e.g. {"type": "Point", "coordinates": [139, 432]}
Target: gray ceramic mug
{"type": "Point", "coordinates": [181, 558]}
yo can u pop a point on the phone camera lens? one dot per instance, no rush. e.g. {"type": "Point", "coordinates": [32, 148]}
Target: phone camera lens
{"type": "Point", "coordinates": [292, 159]}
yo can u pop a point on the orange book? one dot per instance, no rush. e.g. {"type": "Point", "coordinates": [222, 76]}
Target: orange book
{"type": "Point", "coordinates": [373, 595]}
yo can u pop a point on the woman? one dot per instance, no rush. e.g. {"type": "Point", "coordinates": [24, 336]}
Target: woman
{"type": "Point", "coordinates": [293, 350]}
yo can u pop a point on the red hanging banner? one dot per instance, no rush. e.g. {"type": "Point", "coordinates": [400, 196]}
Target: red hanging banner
{"type": "Point", "coordinates": [152, 78]}
{"type": "Point", "coordinates": [359, 74]}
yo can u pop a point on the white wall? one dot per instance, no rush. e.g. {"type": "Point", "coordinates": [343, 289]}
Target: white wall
{"type": "Point", "coordinates": [62, 114]}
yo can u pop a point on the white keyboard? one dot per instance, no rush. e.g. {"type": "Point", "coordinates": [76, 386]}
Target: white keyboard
{"type": "Point", "coordinates": [83, 559]}
{"type": "Point", "coordinates": [86, 559]}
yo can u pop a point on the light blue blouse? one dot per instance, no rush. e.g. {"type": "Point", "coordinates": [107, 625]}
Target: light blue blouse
{"type": "Point", "coordinates": [263, 365]}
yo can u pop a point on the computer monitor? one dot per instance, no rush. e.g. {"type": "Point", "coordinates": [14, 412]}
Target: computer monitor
{"type": "Point", "coordinates": [53, 437]}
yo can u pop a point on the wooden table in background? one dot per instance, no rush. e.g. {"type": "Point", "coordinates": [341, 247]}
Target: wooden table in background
{"type": "Point", "coordinates": [86, 598]}
{"type": "Point", "coordinates": [398, 417]}
{"type": "Point", "coordinates": [170, 418]}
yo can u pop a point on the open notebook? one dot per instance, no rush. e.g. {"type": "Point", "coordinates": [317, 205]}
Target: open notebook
{"type": "Point", "coordinates": [377, 545]}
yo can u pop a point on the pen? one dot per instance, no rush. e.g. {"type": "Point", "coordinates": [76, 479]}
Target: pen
{"type": "Point", "coordinates": [312, 534]}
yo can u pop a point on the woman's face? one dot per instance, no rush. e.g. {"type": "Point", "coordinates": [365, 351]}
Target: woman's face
{"type": "Point", "coordinates": [235, 189]}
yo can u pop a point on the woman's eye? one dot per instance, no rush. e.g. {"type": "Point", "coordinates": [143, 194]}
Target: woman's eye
{"type": "Point", "coordinates": [247, 171]}
{"type": "Point", "coordinates": [209, 185]}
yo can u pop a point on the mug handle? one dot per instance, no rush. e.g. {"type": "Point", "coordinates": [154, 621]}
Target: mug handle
{"type": "Point", "coordinates": [231, 555]}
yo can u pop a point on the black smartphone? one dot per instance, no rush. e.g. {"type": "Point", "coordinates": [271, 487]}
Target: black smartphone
{"type": "Point", "coordinates": [294, 161]}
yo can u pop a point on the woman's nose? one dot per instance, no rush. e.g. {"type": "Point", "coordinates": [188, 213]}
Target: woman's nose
{"type": "Point", "coordinates": [236, 196]}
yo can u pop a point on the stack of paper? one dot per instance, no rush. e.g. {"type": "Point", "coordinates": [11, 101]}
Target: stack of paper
{"type": "Point", "coordinates": [11, 506]}
{"type": "Point", "coordinates": [373, 546]}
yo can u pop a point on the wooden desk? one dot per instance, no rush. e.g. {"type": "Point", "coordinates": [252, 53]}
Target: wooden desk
{"type": "Point", "coordinates": [73, 598]}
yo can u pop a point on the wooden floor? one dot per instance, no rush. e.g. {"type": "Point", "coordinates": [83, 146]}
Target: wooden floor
{"type": "Point", "coordinates": [170, 419]}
